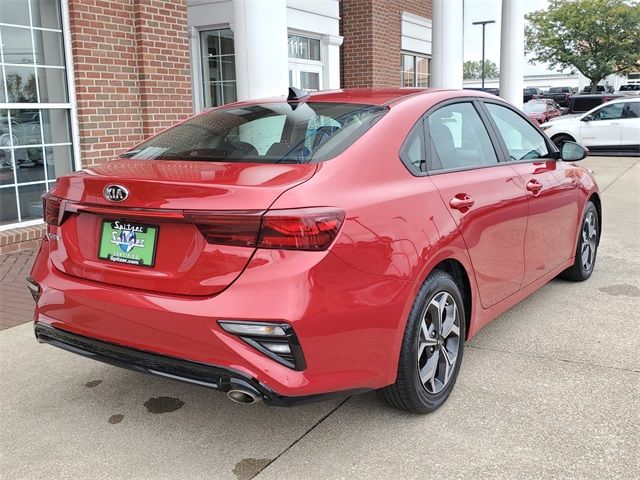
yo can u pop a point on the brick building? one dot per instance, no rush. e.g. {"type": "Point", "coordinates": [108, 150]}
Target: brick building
{"type": "Point", "coordinates": [82, 80]}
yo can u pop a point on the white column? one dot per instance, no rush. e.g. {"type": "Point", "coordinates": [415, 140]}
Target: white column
{"type": "Point", "coordinates": [447, 38]}
{"type": "Point", "coordinates": [196, 69]}
{"type": "Point", "coordinates": [331, 70]}
{"type": "Point", "coordinates": [260, 40]}
{"type": "Point", "coordinates": [512, 51]}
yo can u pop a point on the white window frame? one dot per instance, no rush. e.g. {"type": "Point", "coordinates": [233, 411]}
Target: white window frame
{"type": "Point", "coordinates": [71, 105]}
{"type": "Point", "coordinates": [197, 68]}
{"type": "Point", "coordinates": [416, 55]}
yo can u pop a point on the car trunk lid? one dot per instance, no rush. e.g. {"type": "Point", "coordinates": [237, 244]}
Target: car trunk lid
{"type": "Point", "coordinates": [147, 241]}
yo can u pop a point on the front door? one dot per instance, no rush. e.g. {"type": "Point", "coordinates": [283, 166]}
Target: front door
{"type": "Point", "coordinates": [487, 200]}
{"type": "Point", "coordinates": [553, 199]}
{"type": "Point", "coordinates": [603, 127]}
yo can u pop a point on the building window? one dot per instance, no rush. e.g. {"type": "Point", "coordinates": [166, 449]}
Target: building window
{"type": "Point", "coordinates": [416, 70]}
{"type": "Point", "coordinates": [36, 141]}
{"type": "Point", "coordinates": [304, 48]}
{"type": "Point", "coordinates": [218, 67]}
{"type": "Point", "coordinates": [305, 63]}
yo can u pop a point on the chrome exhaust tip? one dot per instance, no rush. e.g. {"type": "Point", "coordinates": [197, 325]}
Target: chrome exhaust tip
{"type": "Point", "coordinates": [246, 397]}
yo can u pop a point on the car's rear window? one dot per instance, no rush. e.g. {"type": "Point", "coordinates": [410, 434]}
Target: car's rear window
{"type": "Point", "coordinates": [266, 133]}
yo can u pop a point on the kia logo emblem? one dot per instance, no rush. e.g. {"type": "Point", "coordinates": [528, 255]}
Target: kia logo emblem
{"type": "Point", "coordinates": [115, 193]}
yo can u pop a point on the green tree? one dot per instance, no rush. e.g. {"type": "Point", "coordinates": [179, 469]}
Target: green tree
{"type": "Point", "coordinates": [473, 70]}
{"type": "Point", "coordinates": [596, 37]}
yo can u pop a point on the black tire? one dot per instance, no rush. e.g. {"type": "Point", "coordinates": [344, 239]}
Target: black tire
{"type": "Point", "coordinates": [588, 241]}
{"type": "Point", "coordinates": [561, 138]}
{"type": "Point", "coordinates": [409, 392]}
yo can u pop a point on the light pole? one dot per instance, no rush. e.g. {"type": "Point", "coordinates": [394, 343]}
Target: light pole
{"type": "Point", "coordinates": [484, 24]}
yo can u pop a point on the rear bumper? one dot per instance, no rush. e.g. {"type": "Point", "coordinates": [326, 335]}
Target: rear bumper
{"type": "Point", "coordinates": [201, 374]}
{"type": "Point", "coordinates": [349, 324]}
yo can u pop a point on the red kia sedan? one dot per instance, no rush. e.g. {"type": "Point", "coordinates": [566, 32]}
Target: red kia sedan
{"type": "Point", "coordinates": [287, 249]}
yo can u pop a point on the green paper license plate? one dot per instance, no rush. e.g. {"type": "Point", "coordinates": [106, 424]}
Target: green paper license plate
{"type": "Point", "coordinates": [128, 243]}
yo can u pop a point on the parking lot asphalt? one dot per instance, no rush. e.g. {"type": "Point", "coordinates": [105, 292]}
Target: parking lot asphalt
{"type": "Point", "coordinates": [551, 389]}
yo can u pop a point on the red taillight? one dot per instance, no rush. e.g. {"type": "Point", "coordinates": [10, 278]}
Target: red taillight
{"type": "Point", "coordinates": [240, 228]}
{"type": "Point", "coordinates": [51, 209]}
{"type": "Point", "coordinates": [295, 229]}
{"type": "Point", "coordinates": [300, 229]}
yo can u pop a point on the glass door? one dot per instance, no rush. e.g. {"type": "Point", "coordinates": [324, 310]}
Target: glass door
{"type": "Point", "coordinates": [306, 77]}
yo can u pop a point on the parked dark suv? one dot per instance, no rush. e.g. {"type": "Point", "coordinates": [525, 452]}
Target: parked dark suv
{"type": "Point", "coordinates": [584, 103]}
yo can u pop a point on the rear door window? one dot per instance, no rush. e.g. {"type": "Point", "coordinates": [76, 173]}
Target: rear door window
{"type": "Point", "coordinates": [459, 139]}
{"type": "Point", "coordinates": [412, 152]}
{"type": "Point", "coordinates": [631, 110]}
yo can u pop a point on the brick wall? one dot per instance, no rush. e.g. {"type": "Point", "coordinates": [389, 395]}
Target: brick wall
{"type": "Point", "coordinates": [23, 238]}
{"type": "Point", "coordinates": [372, 40]}
{"type": "Point", "coordinates": [132, 75]}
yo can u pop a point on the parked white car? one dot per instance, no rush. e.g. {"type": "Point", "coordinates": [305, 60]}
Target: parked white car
{"type": "Point", "coordinates": [613, 127]}
{"type": "Point", "coordinates": [630, 90]}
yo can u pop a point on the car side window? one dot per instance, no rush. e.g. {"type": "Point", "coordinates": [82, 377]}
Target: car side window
{"type": "Point", "coordinates": [522, 139]}
{"type": "Point", "coordinates": [609, 112]}
{"type": "Point", "coordinates": [459, 139]}
{"type": "Point", "coordinates": [412, 151]}
{"type": "Point", "coordinates": [631, 110]}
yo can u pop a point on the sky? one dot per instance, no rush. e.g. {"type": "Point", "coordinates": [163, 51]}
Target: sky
{"type": "Point", "coordinates": [480, 10]}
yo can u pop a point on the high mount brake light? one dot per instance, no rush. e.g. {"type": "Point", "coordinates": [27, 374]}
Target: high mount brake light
{"type": "Point", "coordinates": [312, 229]}
{"type": "Point", "coordinates": [51, 209]}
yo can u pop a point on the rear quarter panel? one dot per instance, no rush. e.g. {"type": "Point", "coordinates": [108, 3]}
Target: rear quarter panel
{"type": "Point", "coordinates": [396, 224]}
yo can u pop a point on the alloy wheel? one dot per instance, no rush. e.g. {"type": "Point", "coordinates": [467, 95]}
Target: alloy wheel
{"type": "Point", "coordinates": [589, 241]}
{"type": "Point", "coordinates": [438, 342]}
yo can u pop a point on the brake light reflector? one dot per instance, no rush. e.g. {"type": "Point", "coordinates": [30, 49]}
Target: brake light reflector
{"type": "Point", "coordinates": [310, 229]}
{"type": "Point", "coordinates": [51, 209]}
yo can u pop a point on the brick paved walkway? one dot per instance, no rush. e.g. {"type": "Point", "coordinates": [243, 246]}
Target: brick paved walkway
{"type": "Point", "coordinates": [16, 304]}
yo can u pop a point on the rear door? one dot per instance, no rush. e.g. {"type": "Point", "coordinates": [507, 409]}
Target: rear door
{"type": "Point", "coordinates": [553, 197]}
{"type": "Point", "coordinates": [486, 199]}
{"type": "Point", "coordinates": [631, 127]}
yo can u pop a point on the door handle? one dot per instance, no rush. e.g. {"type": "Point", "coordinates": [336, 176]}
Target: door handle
{"type": "Point", "coordinates": [461, 201]}
{"type": "Point", "coordinates": [534, 186]}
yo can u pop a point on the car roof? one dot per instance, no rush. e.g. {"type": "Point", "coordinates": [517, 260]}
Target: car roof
{"type": "Point", "coordinates": [625, 100]}
{"type": "Point", "coordinates": [372, 96]}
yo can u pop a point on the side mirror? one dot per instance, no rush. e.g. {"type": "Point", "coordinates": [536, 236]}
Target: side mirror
{"type": "Point", "coordinates": [587, 118]}
{"type": "Point", "coordinates": [573, 152]}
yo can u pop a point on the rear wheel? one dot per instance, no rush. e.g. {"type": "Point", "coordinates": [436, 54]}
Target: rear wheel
{"type": "Point", "coordinates": [561, 139]}
{"type": "Point", "coordinates": [587, 248]}
{"type": "Point", "coordinates": [432, 347]}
